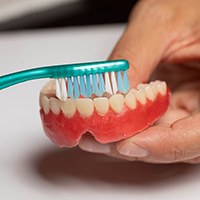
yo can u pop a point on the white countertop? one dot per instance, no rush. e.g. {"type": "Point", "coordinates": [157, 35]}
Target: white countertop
{"type": "Point", "coordinates": [31, 167]}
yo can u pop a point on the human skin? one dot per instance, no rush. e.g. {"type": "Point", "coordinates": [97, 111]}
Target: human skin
{"type": "Point", "coordinates": [162, 41]}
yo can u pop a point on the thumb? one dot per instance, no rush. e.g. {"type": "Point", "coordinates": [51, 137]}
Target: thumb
{"type": "Point", "coordinates": [142, 44]}
{"type": "Point", "coordinates": [165, 144]}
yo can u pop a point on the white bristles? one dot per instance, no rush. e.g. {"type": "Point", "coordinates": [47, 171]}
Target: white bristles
{"type": "Point", "coordinates": [84, 78]}
{"type": "Point", "coordinates": [107, 83]}
{"type": "Point", "coordinates": [78, 77]}
{"type": "Point", "coordinates": [63, 89]}
{"type": "Point", "coordinates": [58, 92]}
{"type": "Point", "coordinates": [114, 82]}
{"type": "Point", "coordinates": [72, 78]}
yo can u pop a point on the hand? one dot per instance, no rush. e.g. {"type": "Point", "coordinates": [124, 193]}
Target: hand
{"type": "Point", "coordinates": [162, 41]}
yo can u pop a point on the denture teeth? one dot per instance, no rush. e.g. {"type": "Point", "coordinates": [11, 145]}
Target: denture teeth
{"type": "Point", "coordinates": [150, 93]}
{"type": "Point", "coordinates": [45, 104]}
{"type": "Point", "coordinates": [68, 107]}
{"type": "Point", "coordinates": [117, 103]}
{"type": "Point", "coordinates": [164, 85]}
{"type": "Point", "coordinates": [85, 107]}
{"type": "Point", "coordinates": [153, 86]}
{"type": "Point", "coordinates": [101, 105]}
{"type": "Point", "coordinates": [142, 86]}
{"type": "Point", "coordinates": [161, 87]}
{"type": "Point", "coordinates": [130, 100]}
{"type": "Point", "coordinates": [54, 105]}
{"type": "Point", "coordinates": [140, 96]}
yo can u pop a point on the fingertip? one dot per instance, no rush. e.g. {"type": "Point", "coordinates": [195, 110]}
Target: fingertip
{"type": "Point", "coordinates": [148, 145]}
{"type": "Point", "coordinates": [132, 149]}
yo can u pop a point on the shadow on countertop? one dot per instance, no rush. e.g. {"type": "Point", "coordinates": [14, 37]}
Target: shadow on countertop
{"type": "Point", "coordinates": [58, 166]}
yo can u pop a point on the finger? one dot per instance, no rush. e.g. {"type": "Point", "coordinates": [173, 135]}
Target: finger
{"type": "Point", "coordinates": [172, 115]}
{"type": "Point", "coordinates": [88, 143]}
{"type": "Point", "coordinates": [142, 44]}
{"type": "Point", "coordinates": [193, 161]}
{"type": "Point", "coordinates": [164, 143]}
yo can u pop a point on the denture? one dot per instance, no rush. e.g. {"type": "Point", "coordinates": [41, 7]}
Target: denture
{"type": "Point", "coordinates": [109, 118]}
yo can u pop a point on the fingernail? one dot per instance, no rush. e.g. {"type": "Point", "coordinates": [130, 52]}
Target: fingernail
{"type": "Point", "coordinates": [95, 147]}
{"type": "Point", "coordinates": [133, 150]}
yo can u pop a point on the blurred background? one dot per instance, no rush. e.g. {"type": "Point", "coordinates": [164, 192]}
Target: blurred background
{"type": "Point", "coordinates": [35, 14]}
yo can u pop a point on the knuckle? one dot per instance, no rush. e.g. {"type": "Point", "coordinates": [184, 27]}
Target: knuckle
{"type": "Point", "coordinates": [160, 12]}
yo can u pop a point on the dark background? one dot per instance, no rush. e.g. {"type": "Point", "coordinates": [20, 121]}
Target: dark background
{"type": "Point", "coordinates": [85, 12]}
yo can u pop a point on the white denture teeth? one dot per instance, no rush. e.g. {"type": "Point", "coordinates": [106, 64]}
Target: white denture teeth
{"type": "Point", "coordinates": [117, 102]}
{"type": "Point", "coordinates": [161, 87]}
{"type": "Point", "coordinates": [130, 100]}
{"type": "Point", "coordinates": [85, 106]}
{"type": "Point", "coordinates": [54, 105]}
{"type": "Point", "coordinates": [101, 105]}
{"type": "Point", "coordinates": [45, 104]}
{"type": "Point", "coordinates": [153, 86]}
{"type": "Point", "coordinates": [150, 92]}
{"type": "Point", "coordinates": [164, 85]}
{"type": "Point", "coordinates": [142, 86]}
{"type": "Point", "coordinates": [140, 96]}
{"type": "Point", "coordinates": [68, 107]}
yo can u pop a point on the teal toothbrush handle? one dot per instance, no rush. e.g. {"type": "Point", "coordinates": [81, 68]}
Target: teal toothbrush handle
{"type": "Point", "coordinates": [62, 71]}
{"type": "Point", "coordinates": [22, 76]}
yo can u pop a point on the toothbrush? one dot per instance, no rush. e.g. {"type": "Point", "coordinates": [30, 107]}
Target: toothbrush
{"type": "Point", "coordinates": [75, 80]}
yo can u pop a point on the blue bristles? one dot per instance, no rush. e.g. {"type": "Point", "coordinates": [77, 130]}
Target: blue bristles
{"type": "Point", "coordinates": [82, 86]}
{"type": "Point", "coordinates": [123, 85]}
{"type": "Point", "coordinates": [70, 88]}
{"type": "Point", "coordinates": [126, 82]}
{"type": "Point", "coordinates": [101, 85]}
{"type": "Point", "coordinates": [120, 82]}
{"type": "Point", "coordinates": [88, 86]}
{"type": "Point", "coordinates": [76, 88]}
{"type": "Point", "coordinates": [95, 89]}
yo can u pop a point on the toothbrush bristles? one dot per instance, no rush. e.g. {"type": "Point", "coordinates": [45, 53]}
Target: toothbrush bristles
{"type": "Point", "coordinates": [93, 84]}
{"type": "Point", "coordinates": [63, 89]}
{"type": "Point", "coordinates": [114, 82]}
{"type": "Point", "coordinates": [108, 84]}
{"type": "Point", "coordinates": [58, 90]}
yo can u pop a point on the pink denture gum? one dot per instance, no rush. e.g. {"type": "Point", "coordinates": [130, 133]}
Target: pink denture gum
{"type": "Point", "coordinates": [107, 119]}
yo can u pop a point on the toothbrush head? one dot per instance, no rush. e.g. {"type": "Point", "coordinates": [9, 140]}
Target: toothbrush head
{"type": "Point", "coordinates": [90, 79]}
